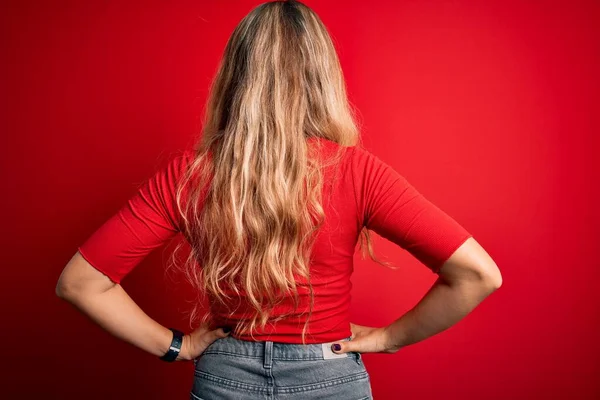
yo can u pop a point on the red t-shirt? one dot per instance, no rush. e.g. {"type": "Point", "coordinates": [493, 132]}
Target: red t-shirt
{"type": "Point", "coordinates": [366, 193]}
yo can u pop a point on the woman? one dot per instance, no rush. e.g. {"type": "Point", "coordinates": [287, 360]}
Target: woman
{"type": "Point", "coordinates": [272, 201]}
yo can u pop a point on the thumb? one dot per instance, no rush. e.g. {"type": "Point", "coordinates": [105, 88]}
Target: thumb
{"type": "Point", "coordinates": [343, 347]}
{"type": "Point", "coordinates": [222, 332]}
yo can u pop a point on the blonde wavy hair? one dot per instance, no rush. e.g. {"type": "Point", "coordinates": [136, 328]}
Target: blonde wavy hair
{"type": "Point", "coordinates": [254, 199]}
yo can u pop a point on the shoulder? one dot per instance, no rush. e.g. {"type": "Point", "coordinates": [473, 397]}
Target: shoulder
{"type": "Point", "coordinates": [171, 168]}
{"type": "Point", "coordinates": [355, 159]}
{"type": "Point", "coordinates": [329, 149]}
{"type": "Point", "coordinates": [362, 159]}
{"type": "Point", "coordinates": [361, 154]}
{"type": "Point", "coordinates": [369, 171]}
{"type": "Point", "coordinates": [178, 162]}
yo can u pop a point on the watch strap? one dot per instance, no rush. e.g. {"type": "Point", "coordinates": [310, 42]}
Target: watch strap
{"type": "Point", "coordinates": [175, 348]}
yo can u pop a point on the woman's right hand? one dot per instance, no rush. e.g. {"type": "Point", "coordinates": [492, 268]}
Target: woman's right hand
{"type": "Point", "coordinates": [366, 339]}
{"type": "Point", "coordinates": [196, 342]}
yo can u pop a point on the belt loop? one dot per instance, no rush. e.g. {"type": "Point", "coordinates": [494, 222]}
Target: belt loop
{"type": "Point", "coordinates": [268, 356]}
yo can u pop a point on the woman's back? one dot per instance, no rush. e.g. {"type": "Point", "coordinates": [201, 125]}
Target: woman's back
{"type": "Point", "coordinates": [360, 191]}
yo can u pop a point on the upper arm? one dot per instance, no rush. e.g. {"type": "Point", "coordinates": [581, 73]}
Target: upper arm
{"type": "Point", "coordinates": [394, 209]}
{"type": "Point", "coordinates": [471, 262]}
{"type": "Point", "coordinates": [145, 222]}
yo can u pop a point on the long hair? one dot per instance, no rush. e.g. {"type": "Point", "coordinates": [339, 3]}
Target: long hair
{"type": "Point", "coordinates": [253, 203]}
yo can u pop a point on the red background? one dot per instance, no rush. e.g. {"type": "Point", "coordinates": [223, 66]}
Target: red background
{"type": "Point", "coordinates": [489, 108]}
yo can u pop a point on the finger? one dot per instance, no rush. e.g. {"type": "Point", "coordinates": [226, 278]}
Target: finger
{"type": "Point", "coordinates": [221, 332]}
{"type": "Point", "coordinates": [358, 329]}
{"type": "Point", "coordinates": [344, 347]}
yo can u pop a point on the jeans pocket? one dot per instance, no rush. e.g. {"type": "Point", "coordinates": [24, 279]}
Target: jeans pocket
{"type": "Point", "coordinates": [196, 359]}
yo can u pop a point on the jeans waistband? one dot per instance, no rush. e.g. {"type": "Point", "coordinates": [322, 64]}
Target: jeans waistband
{"type": "Point", "coordinates": [270, 350]}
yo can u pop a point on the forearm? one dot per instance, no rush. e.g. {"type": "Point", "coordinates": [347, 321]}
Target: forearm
{"type": "Point", "coordinates": [116, 312]}
{"type": "Point", "coordinates": [442, 306]}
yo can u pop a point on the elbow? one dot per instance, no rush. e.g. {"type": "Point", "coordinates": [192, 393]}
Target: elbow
{"type": "Point", "coordinates": [69, 289]}
{"type": "Point", "coordinates": [485, 276]}
{"type": "Point", "coordinates": [485, 279]}
{"type": "Point", "coordinates": [64, 291]}
{"type": "Point", "coordinates": [74, 291]}
{"type": "Point", "coordinates": [471, 265]}
{"type": "Point", "coordinates": [58, 291]}
{"type": "Point", "coordinates": [492, 279]}
{"type": "Point", "coordinates": [79, 279]}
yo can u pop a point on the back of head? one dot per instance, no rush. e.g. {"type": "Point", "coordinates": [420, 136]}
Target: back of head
{"type": "Point", "coordinates": [280, 69]}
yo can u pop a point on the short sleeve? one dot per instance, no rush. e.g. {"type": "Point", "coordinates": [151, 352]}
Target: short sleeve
{"type": "Point", "coordinates": [145, 222]}
{"type": "Point", "coordinates": [390, 206]}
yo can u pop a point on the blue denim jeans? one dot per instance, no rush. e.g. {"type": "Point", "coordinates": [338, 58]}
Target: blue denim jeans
{"type": "Point", "coordinates": [236, 369]}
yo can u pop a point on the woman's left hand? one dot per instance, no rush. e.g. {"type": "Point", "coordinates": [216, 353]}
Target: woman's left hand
{"type": "Point", "coordinates": [195, 343]}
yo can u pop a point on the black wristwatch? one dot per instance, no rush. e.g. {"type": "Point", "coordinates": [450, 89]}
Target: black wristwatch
{"type": "Point", "coordinates": [175, 347]}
